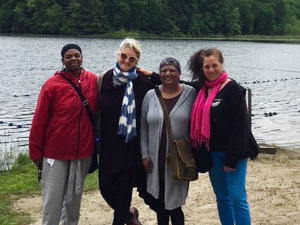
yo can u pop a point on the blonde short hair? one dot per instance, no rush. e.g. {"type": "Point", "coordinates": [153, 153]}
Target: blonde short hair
{"type": "Point", "coordinates": [133, 44]}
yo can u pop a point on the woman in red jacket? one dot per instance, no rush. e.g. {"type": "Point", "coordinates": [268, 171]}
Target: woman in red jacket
{"type": "Point", "coordinates": [62, 137]}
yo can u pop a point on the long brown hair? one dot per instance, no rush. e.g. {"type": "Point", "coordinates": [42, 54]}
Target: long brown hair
{"type": "Point", "coordinates": [195, 63]}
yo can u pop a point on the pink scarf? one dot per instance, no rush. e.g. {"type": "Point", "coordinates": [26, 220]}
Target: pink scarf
{"type": "Point", "coordinates": [200, 117]}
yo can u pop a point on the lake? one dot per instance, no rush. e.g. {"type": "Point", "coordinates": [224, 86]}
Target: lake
{"type": "Point", "coordinates": [271, 71]}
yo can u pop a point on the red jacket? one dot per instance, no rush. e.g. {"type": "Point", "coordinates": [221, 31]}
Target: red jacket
{"type": "Point", "coordinates": [61, 128]}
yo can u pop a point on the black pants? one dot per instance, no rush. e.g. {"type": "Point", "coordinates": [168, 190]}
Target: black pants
{"type": "Point", "coordinates": [116, 189]}
{"type": "Point", "coordinates": [163, 215]}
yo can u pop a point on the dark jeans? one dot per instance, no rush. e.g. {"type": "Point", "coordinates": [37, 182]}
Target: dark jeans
{"type": "Point", "coordinates": [116, 189]}
{"type": "Point", "coordinates": [163, 215]}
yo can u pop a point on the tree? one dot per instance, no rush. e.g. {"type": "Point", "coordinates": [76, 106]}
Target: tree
{"type": "Point", "coordinates": [38, 9]}
{"type": "Point", "coordinates": [71, 25]}
{"type": "Point", "coordinates": [22, 19]}
{"type": "Point", "coordinates": [156, 18]}
{"type": "Point", "coordinates": [159, 17]}
{"type": "Point", "coordinates": [118, 13]}
{"type": "Point", "coordinates": [92, 18]}
{"type": "Point", "coordinates": [232, 26]}
{"type": "Point", "coordinates": [54, 21]}
{"type": "Point", "coordinates": [264, 22]}
{"type": "Point", "coordinates": [246, 17]}
{"type": "Point", "coordinates": [6, 15]}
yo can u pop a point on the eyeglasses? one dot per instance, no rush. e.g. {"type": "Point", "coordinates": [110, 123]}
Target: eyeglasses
{"type": "Point", "coordinates": [131, 58]}
{"type": "Point", "coordinates": [171, 71]}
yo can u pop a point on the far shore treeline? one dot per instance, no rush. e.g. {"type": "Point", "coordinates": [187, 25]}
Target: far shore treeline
{"type": "Point", "coordinates": [194, 18]}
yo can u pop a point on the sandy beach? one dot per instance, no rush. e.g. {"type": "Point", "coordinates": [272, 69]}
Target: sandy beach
{"type": "Point", "coordinates": [273, 185]}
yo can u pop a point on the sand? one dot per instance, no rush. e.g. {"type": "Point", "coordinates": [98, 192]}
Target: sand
{"type": "Point", "coordinates": [273, 187]}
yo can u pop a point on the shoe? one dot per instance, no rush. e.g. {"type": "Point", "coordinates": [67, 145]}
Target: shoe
{"type": "Point", "coordinates": [135, 215]}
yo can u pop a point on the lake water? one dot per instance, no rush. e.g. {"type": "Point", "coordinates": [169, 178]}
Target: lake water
{"type": "Point", "coordinates": [271, 71]}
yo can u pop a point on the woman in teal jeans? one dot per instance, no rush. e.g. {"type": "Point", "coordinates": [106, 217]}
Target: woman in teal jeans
{"type": "Point", "coordinates": [219, 123]}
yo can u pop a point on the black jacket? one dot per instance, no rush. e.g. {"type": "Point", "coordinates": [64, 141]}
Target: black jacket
{"type": "Point", "coordinates": [230, 130]}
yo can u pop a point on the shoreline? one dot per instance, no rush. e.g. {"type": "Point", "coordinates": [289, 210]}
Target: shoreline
{"type": "Point", "coordinates": [246, 38]}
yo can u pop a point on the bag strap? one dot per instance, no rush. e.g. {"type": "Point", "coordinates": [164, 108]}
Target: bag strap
{"type": "Point", "coordinates": [83, 100]}
{"type": "Point", "coordinates": [166, 113]}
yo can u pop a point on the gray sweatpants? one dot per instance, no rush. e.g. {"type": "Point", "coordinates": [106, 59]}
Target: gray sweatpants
{"type": "Point", "coordinates": [62, 187]}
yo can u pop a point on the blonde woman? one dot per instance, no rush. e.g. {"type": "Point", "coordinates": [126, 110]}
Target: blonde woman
{"type": "Point", "coordinates": [122, 91]}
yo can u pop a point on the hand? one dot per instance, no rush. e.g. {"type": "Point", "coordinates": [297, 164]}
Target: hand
{"type": "Point", "coordinates": [144, 71]}
{"type": "Point", "coordinates": [148, 165]}
{"type": "Point", "coordinates": [228, 169]}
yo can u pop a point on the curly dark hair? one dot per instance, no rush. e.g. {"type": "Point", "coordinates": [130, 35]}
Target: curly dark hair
{"type": "Point", "coordinates": [195, 63]}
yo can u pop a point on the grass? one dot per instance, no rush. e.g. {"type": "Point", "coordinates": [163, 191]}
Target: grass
{"type": "Point", "coordinates": [7, 159]}
{"type": "Point", "coordinates": [21, 181]}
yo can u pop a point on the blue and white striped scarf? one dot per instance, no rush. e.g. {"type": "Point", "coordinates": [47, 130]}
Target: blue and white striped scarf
{"type": "Point", "coordinates": [127, 121]}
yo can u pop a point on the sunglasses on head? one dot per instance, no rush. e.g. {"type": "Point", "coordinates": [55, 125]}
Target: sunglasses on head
{"type": "Point", "coordinates": [131, 58]}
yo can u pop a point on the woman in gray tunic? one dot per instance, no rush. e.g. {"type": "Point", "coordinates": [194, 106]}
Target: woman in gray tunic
{"type": "Point", "coordinates": [169, 194]}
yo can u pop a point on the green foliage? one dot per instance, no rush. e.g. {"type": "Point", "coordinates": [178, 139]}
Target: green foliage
{"type": "Point", "coordinates": [192, 18]}
{"type": "Point", "coordinates": [122, 33]}
{"type": "Point", "coordinates": [91, 182]}
{"type": "Point", "coordinates": [21, 180]}
{"type": "Point", "coordinates": [53, 22]}
{"type": "Point", "coordinates": [264, 22]}
{"type": "Point", "coordinates": [7, 159]}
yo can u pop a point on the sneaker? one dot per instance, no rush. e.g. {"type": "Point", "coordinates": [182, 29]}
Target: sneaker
{"type": "Point", "coordinates": [135, 215]}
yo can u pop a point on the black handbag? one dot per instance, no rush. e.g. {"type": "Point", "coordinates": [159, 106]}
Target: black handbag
{"type": "Point", "coordinates": [95, 158]}
{"type": "Point", "coordinates": [203, 159]}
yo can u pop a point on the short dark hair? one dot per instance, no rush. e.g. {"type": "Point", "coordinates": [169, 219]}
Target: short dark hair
{"type": "Point", "coordinates": [170, 61]}
{"type": "Point", "coordinates": [68, 47]}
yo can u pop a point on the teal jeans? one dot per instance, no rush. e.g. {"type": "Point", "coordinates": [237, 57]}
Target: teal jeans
{"type": "Point", "coordinates": [230, 191]}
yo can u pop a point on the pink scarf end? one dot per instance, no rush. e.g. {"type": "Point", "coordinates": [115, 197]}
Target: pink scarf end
{"type": "Point", "coordinates": [198, 143]}
{"type": "Point", "coordinates": [200, 117]}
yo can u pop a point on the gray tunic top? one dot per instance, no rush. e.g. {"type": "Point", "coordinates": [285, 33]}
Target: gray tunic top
{"type": "Point", "coordinates": [151, 129]}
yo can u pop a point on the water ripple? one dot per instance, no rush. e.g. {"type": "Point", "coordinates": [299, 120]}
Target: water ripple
{"type": "Point", "coordinates": [271, 71]}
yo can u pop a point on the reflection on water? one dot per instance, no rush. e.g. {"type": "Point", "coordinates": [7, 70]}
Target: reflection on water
{"type": "Point", "coordinates": [272, 71]}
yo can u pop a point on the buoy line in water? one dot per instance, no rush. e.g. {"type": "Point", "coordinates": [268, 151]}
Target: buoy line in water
{"type": "Point", "coordinates": [267, 81]}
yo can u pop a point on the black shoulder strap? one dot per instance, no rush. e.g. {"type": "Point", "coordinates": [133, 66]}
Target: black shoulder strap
{"type": "Point", "coordinates": [84, 101]}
